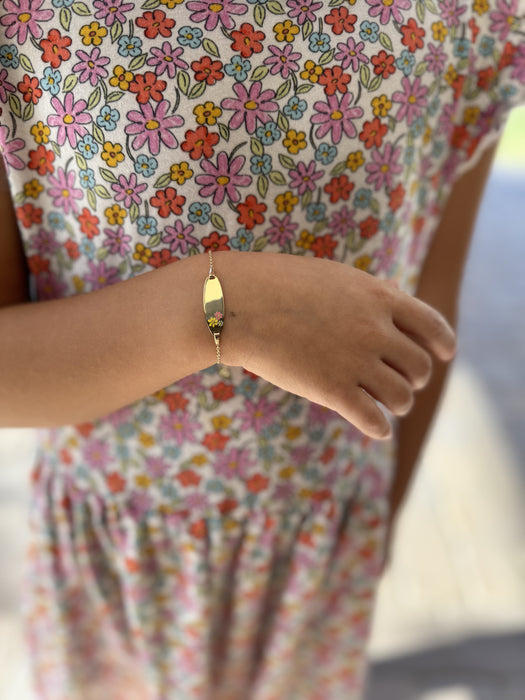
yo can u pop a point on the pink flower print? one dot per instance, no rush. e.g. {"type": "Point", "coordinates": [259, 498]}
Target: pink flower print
{"type": "Point", "coordinates": [140, 502]}
{"type": "Point", "coordinates": [91, 66]}
{"type": "Point", "coordinates": [8, 148]}
{"type": "Point", "coordinates": [196, 501]}
{"type": "Point", "coordinates": [166, 59]}
{"type": "Point", "coordinates": [258, 415]}
{"type": "Point", "coordinates": [101, 276]}
{"type": "Point", "coordinates": [384, 165]}
{"type": "Point", "coordinates": [212, 12]}
{"type": "Point", "coordinates": [283, 60]}
{"type": "Point", "coordinates": [63, 191]}
{"type": "Point", "coordinates": [319, 415]}
{"type": "Point", "coordinates": [435, 58]}
{"type": "Point", "coordinates": [222, 179]}
{"type": "Point", "coordinates": [23, 18]}
{"type": "Point", "coordinates": [117, 418]}
{"type": "Point", "coordinates": [178, 237]}
{"type": "Point", "coordinates": [518, 70]}
{"type": "Point", "coordinates": [117, 242]}
{"type": "Point", "coordinates": [49, 286]}
{"type": "Point", "coordinates": [128, 190]}
{"type": "Point", "coordinates": [342, 221]}
{"type": "Point", "coordinates": [96, 454]}
{"type": "Point", "coordinates": [179, 427]}
{"type": "Point", "coordinates": [157, 467]}
{"type": "Point", "coordinates": [412, 100]}
{"type": "Point", "coordinates": [152, 126]}
{"type": "Point", "coordinates": [5, 86]}
{"type": "Point", "coordinates": [44, 242]}
{"type": "Point", "coordinates": [112, 10]}
{"type": "Point", "coordinates": [303, 10]}
{"type": "Point", "coordinates": [446, 120]}
{"type": "Point", "coordinates": [191, 384]}
{"type": "Point", "coordinates": [235, 462]}
{"type": "Point", "coordinates": [388, 9]}
{"type": "Point", "coordinates": [386, 257]}
{"type": "Point", "coordinates": [336, 116]}
{"type": "Point", "coordinates": [301, 454]}
{"type": "Point", "coordinates": [303, 177]}
{"type": "Point", "coordinates": [350, 54]}
{"type": "Point", "coordinates": [503, 18]}
{"type": "Point", "coordinates": [69, 118]}
{"type": "Point", "coordinates": [451, 12]}
{"type": "Point", "coordinates": [250, 106]}
{"type": "Point", "coordinates": [281, 231]}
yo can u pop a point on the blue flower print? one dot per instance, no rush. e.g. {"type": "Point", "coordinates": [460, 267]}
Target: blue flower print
{"type": "Point", "coordinates": [108, 118]}
{"type": "Point", "coordinates": [87, 248]}
{"type": "Point", "coordinates": [55, 220]}
{"type": "Point", "coordinates": [62, 3]}
{"type": "Point", "coordinates": [171, 452]}
{"type": "Point", "coordinates": [507, 91]}
{"type": "Point", "coordinates": [265, 452]}
{"type": "Point", "coordinates": [362, 198]}
{"type": "Point", "coordinates": [199, 212]}
{"type": "Point", "coordinates": [145, 416]}
{"type": "Point", "coordinates": [316, 211]}
{"type": "Point", "coordinates": [387, 221]}
{"type": "Point", "coordinates": [145, 165]}
{"type": "Point", "coordinates": [147, 225]}
{"type": "Point", "coordinates": [418, 127]}
{"type": "Point", "coordinates": [87, 178]}
{"type": "Point", "coordinates": [434, 106]}
{"type": "Point", "coordinates": [190, 36]}
{"type": "Point", "coordinates": [325, 153]}
{"type": "Point", "coordinates": [129, 46]}
{"type": "Point", "coordinates": [257, 2]}
{"type": "Point", "coordinates": [461, 48]}
{"type": "Point", "coordinates": [51, 80]}
{"type": "Point", "coordinates": [238, 68]}
{"type": "Point", "coordinates": [369, 31]}
{"type": "Point", "coordinates": [261, 165]}
{"type": "Point", "coordinates": [247, 388]}
{"type": "Point", "coordinates": [269, 133]}
{"type": "Point", "coordinates": [88, 147]}
{"type": "Point", "coordinates": [319, 42]}
{"type": "Point", "coordinates": [126, 430]}
{"type": "Point", "coordinates": [486, 46]}
{"type": "Point", "coordinates": [437, 149]}
{"type": "Point", "coordinates": [409, 155]}
{"type": "Point", "coordinates": [295, 107]}
{"type": "Point", "coordinates": [9, 56]}
{"type": "Point", "coordinates": [242, 240]}
{"type": "Point", "coordinates": [406, 62]}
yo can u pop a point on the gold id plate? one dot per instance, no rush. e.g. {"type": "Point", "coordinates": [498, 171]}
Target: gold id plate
{"type": "Point", "coordinates": [213, 301]}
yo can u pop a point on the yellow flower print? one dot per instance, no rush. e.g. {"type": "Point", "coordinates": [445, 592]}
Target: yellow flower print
{"type": "Point", "coordinates": [170, 4]}
{"type": "Point", "coordinates": [285, 31]}
{"type": "Point", "coordinates": [146, 439]}
{"type": "Point", "coordinates": [92, 34]}
{"type": "Point", "coordinates": [305, 240]}
{"type": "Point", "coordinates": [355, 160]}
{"type": "Point", "coordinates": [33, 188]}
{"type": "Point", "coordinates": [208, 113]}
{"type": "Point", "coordinates": [143, 481]}
{"type": "Point", "coordinates": [180, 172]}
{"type": "Point", "coordinates": [451, 74]}
{"type": "Point", "coordinates": [199, 460]}
{"type": "Point", "coordinates": [439, 31]}
{"type": "Point", "coordinates": [471, 115]}
{"type": "Point", "coordinates": [294, 141]}
{"type": "Point", "coordinates": [286, 202]}
{"type": "Point", "coordinates": [79, 283]}
{"type": "Point", "coordinates": [363, 263]}
{"type": "Point", "coordinates": [293, 432]}
{"type": "Point", "coordinates": [311, 71]}
{"type": "Point", "coordinates": [381, 106]}
{"type": "Point", "coordinates": [287, 472]}
{"type": "Point", "coordinates": [142, 253]}
{"type": "Point", "coordinates": [221, 422]}
{"type": "Point", "coordinates": [112, 154]}
{"type": "Point", "coordinates": [40, 132]}
{"type": "Point", "coordinates": [427, 135]}
{"type": "Point", "coordinates": [115, 215]}
{"type": "Point", "coordinates": [121, 78]}
{"type": "Point", "coordinates": [480, 6]}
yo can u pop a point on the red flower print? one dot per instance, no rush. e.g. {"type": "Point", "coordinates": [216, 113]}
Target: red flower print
{"type": "Point", "coordinates": [324, 246]}
{"type": "Point", "coordinates": [72, 249]}
{"type": "Point", "coordinates": [306, 538]}
{"type": "Point", "coordinates": [474, 29]}
{"type": "Point", "coordinates": [89, 223]}
{"type": "Point", "coordinates": [228, 505]}
{"type": "Point", "coordinates": [132, 565]}
{"type": "Point", "coordinates": [459, 136]}
{"type": "Point", "coordinates": [327, 455]}
{"type": "Point", "coordinates": [160, 258]}
{"type": "Point", "coordinates": [257, 483]}
{"type": "Point", "coordinates": [41, 161]}
{"type": "Point", "coordinates": [115, 482]}
{"type": "Point", "coordinates": [384, 64]}
{"type": "Point", "coordinates": [215, 442]}
{"type": "Point", "coordinates": [341, 20]}
{"type": "Point", "coordinates": [369, 227]}
{"type": "Point", "coordinates": [37, 264]}
{"type": "Point", "coordinates": [155, 23]}
{"type": "Point", "coordinates": [339, 188]}
{"type": "Point", "coordinates": [222, 391]}
{"type": "Point", "coordinates": [507, 56]}
{"type": "Point", "coordinates": [247, 40]}
{"type": "Point", "coordinates": [334, 80]}
{"type": "Point", "coordinates": [250, 212]}
{"type": "Point", "coordinates": [373, 132]}
{"type": "Point", "coordinates": [198, 529]}
{"type": "Point", "coordinates": [199, 142]}
{"type": "Point", "coordinates": [216, 242]}
{"type": "Point", "coordinates": [175, 401]}
{"type": "Point", "coordinates": [147, 87]}
{"type": "Point", "coordinates": [168, 202]}
{"type": "Point", "coordinates": [54, 48]}
{"type": "Point", "coordinates": [397, 195]}
{"type": "Point", "coordinates": [322, 495]}
{"type": "Point", "coordinates": [207, 70]}
{"type": "Point", "coordinates": [29, 89]}
{"type": "Point", "coordinates": [457, 86]}
{"type": "Point", "coordinates": [85, 429]}
{"type": "Point", "coordinates": [412, 35]}
{"type": "Point", "coordinates": [487, 77]}
{"type": "Point", "coordinates": [29, 215]}
{"type": "Point", "coordinates": [188, 478]}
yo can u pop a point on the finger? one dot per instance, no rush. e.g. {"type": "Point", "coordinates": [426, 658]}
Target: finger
{"type": "Point", "coordinates": [409, 359]}
{"type": "Point", "coordinates": [390, 388]}
{"type": "Point", "coordinates": [425, 325]}
{"type": "Point", "coordinates": [362, 411]}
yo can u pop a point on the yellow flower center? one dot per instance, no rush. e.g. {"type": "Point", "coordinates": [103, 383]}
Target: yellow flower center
{"type": "Point", "coordinates": [250, 104]}
{"type": "Point", "coordinates": [336, 114]}
{"type": "Point", "coordinates": [384, 168]}
{"type": "Point", "coordinates": [412, 99]}
{"type": "Point", "coordinates": [152, 124]}
{"type": "Point", "coordinates": [24, 17]}
{"type": "Point", "coordinates": [223, 180]}
{"type": "Point", "coordinates": [68, 119]}
{"type": "Point", "coordinates": [65, 193]}
{"type": "Point", "coordinates": [387, 3]}
{"type": "Point", "coordinates": [216, 7]}
{"type": "Point", "coordinates": [129, 191]}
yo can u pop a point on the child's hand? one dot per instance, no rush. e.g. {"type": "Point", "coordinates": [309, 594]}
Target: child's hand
{"type": "Point", "coordinates": [335, 335]}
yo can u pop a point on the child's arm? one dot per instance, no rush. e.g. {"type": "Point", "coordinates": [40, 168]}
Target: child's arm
{"type": "Point", "coordinates": [439, 285]}
{"type": "Point", "coordinates": [317, 328]}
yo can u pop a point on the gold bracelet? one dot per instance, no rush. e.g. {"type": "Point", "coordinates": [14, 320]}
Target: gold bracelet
{"type": "Point", "coordinates": [213, 302]}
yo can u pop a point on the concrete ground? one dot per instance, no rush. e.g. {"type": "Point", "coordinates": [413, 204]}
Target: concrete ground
{"type": "Point", "coordinates": [450, 620]}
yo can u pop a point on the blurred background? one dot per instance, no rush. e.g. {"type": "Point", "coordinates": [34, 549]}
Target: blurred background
{"type": "Point", "coordinates": [450, 619]}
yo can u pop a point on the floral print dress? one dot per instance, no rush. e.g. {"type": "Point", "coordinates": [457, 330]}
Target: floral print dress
{"type": "Point", "coordinates": [223, 538]}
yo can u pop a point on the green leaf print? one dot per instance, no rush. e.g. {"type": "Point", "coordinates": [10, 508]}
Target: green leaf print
{"type": "Point", "coordinates": [81, 161]}
{"type": "Point", "coordinates": [303, 88]}
{"type": "Point", "coordinates": [116, 32]}
{"type": "Point", "coordinates": [385, 41]}
{"type": "Point", "coordinates": [65, 18]}
{"type": "Point", "coordinates": [286, 161]}
{"type": "Point", "coordinates": [262, 185]}
{"type": "Point", "coordinates": [98, 134]}
{"type": "Point", "coordinates": [259, 73]}
{"type": "Point", "coordinates": [326, 57]}
{"type": "Point", "coordinates": [26, 63]}
{"type": "Point", "coordinates": [308, 28]}
{"type": "Point", "coordinates": [154, 240]}
{"type": "Point", "coordinates": [197, 90]}
{"type": "Point", "coordinates": [92, 200]}
{"type": "Point", "coordinates": [275, 7]}
{"type": "Point", "coordinates": [134, 212]}
{"type": "Point", "coordinates": [224, 131]}
{"type": "Point", "coordinates": [364, 75]}
{"type": "Point", "coordinates": [69, 83]}
{"type": "Point", "coordinates": [211, 47]}
{"type": "Point", "coordinates": [102, 253]}
{"type": "Point", "coordinates": [138, 62]}
{"type": "Point", "coordinates": [218, 222]}
{"type": "Point", "coordinates": [15, 106]}
{"type": "Point", "coordinates": [183, 81]}
{"type": "Point", "coordinates": [283, 122]}
{"type": "Point", "coordinates": [81, 9]}
{"type": "Point", "coordinates": [256, 147]}
{"type": "Point", "coordinates": [94, 99]}
{"type": "Point", "coordinates": [259, 13]}
{"type": "Point", "coordinates": [283, 90]}
{"type": "Point", "coordinates": [114, 96]}
{"type": "Point", "coordinates": [375, 83]}
{"type": "Point", "coordinates": [163, 180]}
{"type": "Point", "coordinates": [277, 177]}
{"type": "Point", "coordinates": [102, 192]}
{"type": "Point", "coordinates": [420, 11]}
{"type": "Point", "coordinates": [260, 243]}
{"type": "Point", "coordinates": [29, 110]}
{"type": "Point", "coordinates": [106, 174]}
